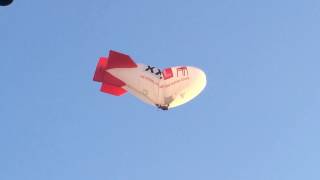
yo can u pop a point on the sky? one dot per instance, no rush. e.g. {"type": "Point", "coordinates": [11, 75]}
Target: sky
{"type": "Point", "coordinates": [257, 118]}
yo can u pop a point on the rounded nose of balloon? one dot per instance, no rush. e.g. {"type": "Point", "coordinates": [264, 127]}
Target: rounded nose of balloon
{"type": "Point", "coordinates": [5, 2]}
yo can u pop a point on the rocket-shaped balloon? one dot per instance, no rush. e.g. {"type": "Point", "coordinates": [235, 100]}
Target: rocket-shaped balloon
{"type": "Point", "coordinates": [164, 89]}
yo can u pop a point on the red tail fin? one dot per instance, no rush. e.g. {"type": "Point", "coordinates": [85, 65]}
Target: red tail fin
{"type": "Point", "coordinates": [119, 60]}
{"type": "Point", "coordinates": [114, 90]}
{"type": "Point", "coordinates": [100, 69]}
{"type": "Point", "coordinates": [111, 84]}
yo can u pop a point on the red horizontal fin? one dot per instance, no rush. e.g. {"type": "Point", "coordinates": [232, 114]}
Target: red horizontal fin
{"type": "Point", "coordinates": [100, 69]}
{"type": "Point", "coordinates": [114, 90]}
{"type": "Point", "coordinates": [119, 60]}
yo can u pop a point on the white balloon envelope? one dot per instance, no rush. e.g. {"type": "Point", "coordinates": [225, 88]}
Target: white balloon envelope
{"type": "Point", "coordinates": [165, 88]}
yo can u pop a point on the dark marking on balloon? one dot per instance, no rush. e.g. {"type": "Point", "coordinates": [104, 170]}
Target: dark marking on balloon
{"type": "Point", "coordinates": [159, 72]}
{"type": "Point", "coordinates": [150, 68]}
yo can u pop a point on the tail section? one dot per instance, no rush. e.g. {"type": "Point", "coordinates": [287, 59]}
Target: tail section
{"type": "Point", "coordinates": [110, 83]}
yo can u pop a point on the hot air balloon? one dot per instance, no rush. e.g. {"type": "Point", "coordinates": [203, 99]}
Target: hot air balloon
{"type": "Point", "coordinates": [165, 89]}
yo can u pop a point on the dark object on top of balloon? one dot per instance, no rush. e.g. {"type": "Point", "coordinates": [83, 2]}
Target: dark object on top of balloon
{"type": "Point", "coordinates": [5, 2]}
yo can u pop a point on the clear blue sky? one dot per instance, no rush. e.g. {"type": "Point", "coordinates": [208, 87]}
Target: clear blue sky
{"type": "Point", "coordinates": [257, 119]}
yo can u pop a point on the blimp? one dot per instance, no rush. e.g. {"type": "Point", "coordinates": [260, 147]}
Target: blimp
{"type": "Point", "coordinates": [163, 88]}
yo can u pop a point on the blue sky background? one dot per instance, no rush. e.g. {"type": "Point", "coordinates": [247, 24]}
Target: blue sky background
{"type": "Point", "coordinates": [257, 119]}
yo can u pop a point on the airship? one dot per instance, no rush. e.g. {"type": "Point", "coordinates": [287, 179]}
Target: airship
{"type": "Point", "coordinates": [163, 88]}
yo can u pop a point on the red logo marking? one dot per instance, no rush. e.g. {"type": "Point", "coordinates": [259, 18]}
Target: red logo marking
{"type": "Point", "coordinates": [167, 73]}
{"type": "Point", "coordinates": [183, 69]}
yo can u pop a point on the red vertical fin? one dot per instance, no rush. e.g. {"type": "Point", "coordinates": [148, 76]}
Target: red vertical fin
{"type": "Point", "coordinates": [100, 69]}
{"type": "Point", "coordinates": [119, 60]}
